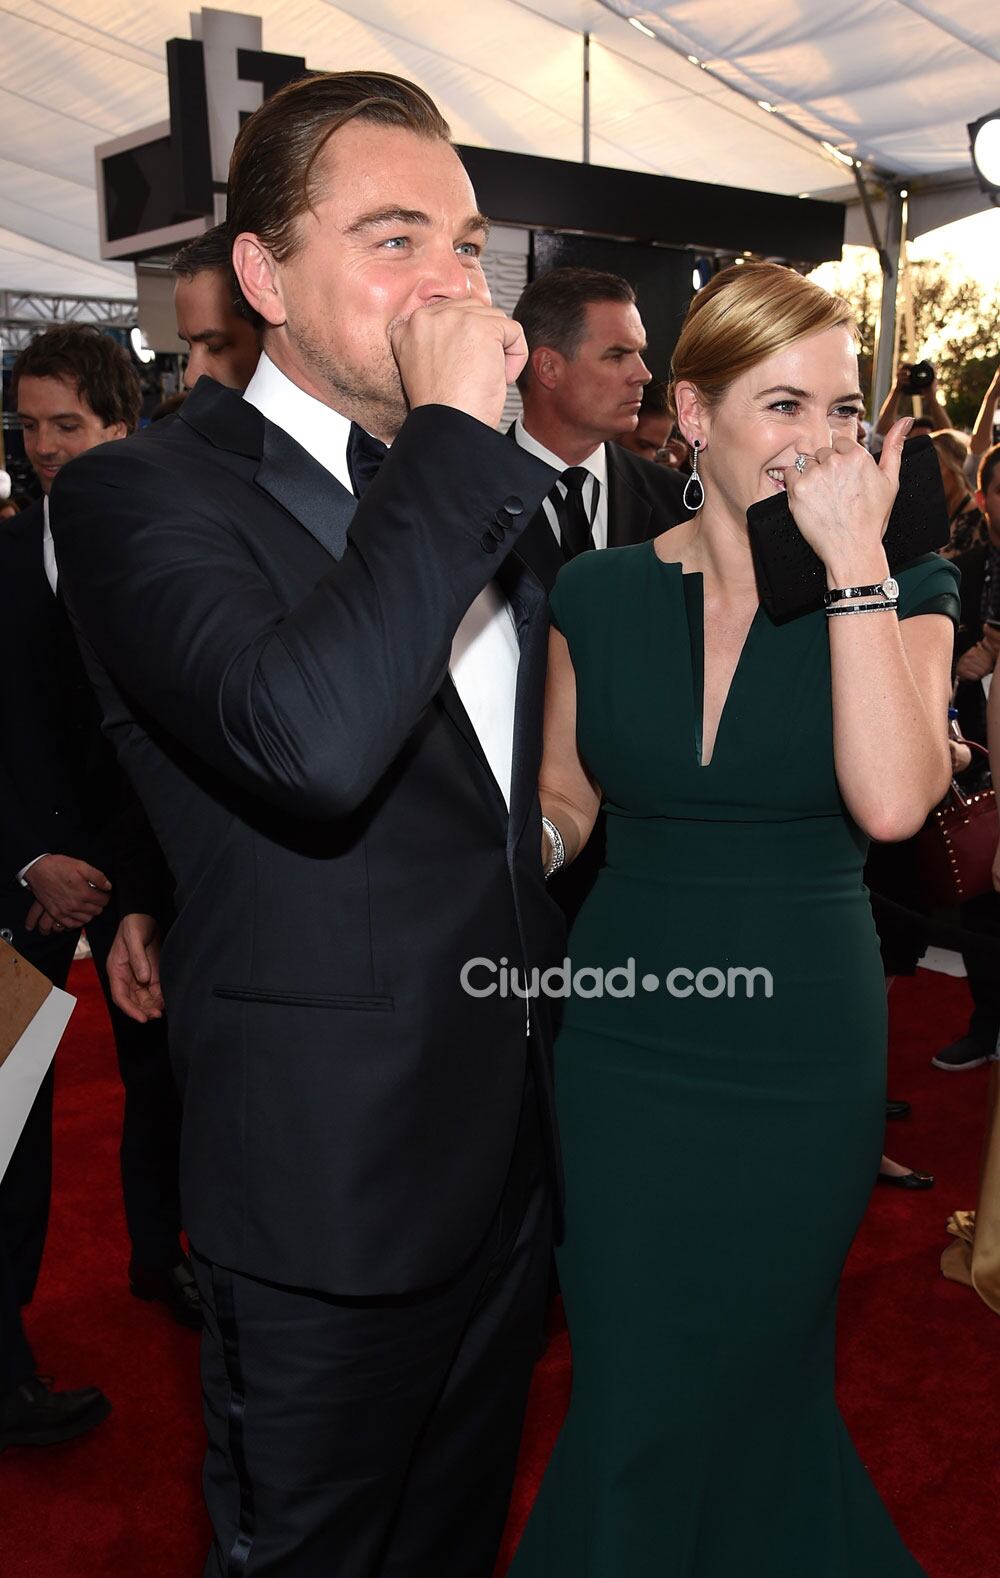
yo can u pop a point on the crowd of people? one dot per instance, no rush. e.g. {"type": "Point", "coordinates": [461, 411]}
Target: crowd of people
{"type": "Point", "coordinates": [333, 706]}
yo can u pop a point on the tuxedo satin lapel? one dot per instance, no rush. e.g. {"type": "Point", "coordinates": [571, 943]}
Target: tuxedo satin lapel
{"type": "Point", "coordinates": [525, 592]}
{"type": "Point", "coordinates": [451, 705]}
{"type": "Point", "coordinates": [628, 511]}
{"type": "Point", "coordinates": [529, 605]}
{"type": "Point", "coordinates": [286, 472]}
{"type": "Point", "coordinates": [305, 489]}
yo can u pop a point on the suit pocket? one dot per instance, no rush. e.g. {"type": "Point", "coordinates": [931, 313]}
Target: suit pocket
{"type": "Point", "coordinates": [247, 994]}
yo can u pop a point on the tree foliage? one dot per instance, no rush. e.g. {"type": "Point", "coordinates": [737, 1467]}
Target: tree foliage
{"type": "Point", "coordinates": [956, 325]}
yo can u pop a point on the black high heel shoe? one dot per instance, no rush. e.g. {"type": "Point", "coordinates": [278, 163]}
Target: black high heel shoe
{"type": "Point", "coordinates": [910, 1180]}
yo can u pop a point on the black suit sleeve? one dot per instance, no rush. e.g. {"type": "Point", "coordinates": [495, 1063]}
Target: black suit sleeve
{"type": "Point", "coordinates": [142, 879]}
{"type": "Point", "coordinates": [22, 836]}
{"type": "Point", "coordinates": [304, 707]}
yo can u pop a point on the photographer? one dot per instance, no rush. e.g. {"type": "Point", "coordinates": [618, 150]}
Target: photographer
{"type": "Point", "coordinates": [913, 379]}
{"type": "Point", "coordinates": [983, 432]}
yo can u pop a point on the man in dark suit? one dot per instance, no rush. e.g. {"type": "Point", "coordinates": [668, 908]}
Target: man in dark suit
{"type": "Point", "coordinates": [60, 791]}
{"type": "Point", "coordinates": [581, 391]}
{"type": "Point", "coordinates": [212, 317]}
{"type": "Point", "coordinates": [332, 715]}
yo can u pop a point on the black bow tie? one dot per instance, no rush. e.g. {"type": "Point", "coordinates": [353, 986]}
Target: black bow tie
{"type": "Point", "coordinates": [364, 456]}
{"type": "Point", "coordinates": [571, 512]}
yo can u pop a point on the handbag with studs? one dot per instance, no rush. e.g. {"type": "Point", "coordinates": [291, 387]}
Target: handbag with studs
{"type": "Point", "coordinates": [958, 843]}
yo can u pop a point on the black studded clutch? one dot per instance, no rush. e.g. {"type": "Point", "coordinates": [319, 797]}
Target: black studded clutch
{"type": "Point", "coordinates": [791, 579]}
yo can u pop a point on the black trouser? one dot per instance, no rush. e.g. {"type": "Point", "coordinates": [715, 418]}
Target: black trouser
{"type": "Point", "coordinates": [150, 1127]}
{"type": "Point", "coordinates": [983, 971]}
{"type": "Point", "coordinates": [17, 1362]}
{"type": "Point", "coordinates": [363, 1437]}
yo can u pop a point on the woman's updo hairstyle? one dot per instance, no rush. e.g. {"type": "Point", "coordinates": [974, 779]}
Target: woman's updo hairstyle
{"type": "Point", "coordinates": [744, 315]}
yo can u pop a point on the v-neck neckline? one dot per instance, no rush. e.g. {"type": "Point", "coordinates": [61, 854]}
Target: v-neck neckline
{"type": "Point", "coordinates": [693, 591]}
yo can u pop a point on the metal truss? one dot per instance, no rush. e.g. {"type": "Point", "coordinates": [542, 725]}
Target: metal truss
{"type": "Point", "coordinates": [23, 314]}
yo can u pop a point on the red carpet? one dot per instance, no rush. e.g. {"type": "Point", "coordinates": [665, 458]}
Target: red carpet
{"type": "Point", "coordinates": [919, 1357]}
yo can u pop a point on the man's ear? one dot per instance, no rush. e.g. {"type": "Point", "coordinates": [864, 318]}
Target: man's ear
{"type": "Point", "coordinates": [547, 366]}
{"type": "Point", "coordinates": [115, 430]}
{"type": "Point", "coordinates": [257, 276]}
{"type": "Point", "coordinates": [692, 413]}
{"type": "Point", "coordinates": [980, 499]}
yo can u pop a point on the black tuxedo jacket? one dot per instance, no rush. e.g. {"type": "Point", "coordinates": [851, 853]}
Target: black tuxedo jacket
{"type": "Point", "coordinates": [277, 690]}
{"type": "Point", "coordinates": [59, 788]}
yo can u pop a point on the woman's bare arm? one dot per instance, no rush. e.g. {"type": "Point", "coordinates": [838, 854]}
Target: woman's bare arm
{"type": "Point", "coordinates": [570, 797]}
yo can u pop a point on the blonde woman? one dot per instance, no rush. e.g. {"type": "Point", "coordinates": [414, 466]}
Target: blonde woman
{"type": "Point", "coordinates": [722, 1123]}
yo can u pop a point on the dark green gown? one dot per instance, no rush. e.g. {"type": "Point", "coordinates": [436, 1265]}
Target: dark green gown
{"type": "Point", "coordinates": [720, 1147]}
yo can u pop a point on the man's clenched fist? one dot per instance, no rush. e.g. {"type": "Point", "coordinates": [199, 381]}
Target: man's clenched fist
{"type": "Point", "coordinates": [459, 353]}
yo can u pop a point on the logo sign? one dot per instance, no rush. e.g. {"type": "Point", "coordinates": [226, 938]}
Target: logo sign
{"type": "Point", "coordinates": [158, 187]}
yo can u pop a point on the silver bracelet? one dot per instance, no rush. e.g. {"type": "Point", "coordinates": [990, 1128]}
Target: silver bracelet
{"type": "Point", "coordinates": [889, 606]}
{"type": "Point", "coordinates": [558, 855]}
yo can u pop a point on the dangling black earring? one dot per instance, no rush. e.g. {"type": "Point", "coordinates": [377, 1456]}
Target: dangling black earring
{"type": "Point", "coordinates": [694, 489]}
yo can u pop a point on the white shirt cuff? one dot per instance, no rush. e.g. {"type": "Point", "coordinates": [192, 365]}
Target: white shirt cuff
{"type": "Point", "coordinates": [27, 868]}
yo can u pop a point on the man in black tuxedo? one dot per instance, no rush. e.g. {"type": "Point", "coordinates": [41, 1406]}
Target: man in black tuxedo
{"type": "Point", "coordinates": [332, 715]}
{"type": "Point", "coordinates": [581, 391]}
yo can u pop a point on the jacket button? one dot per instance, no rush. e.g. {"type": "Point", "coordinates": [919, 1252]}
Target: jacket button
{"type": "Point", "coordinates": [498, 531]}
{"type": "Point", "coordinates": [488, 542]}
{"type": "Point", "coordinates": [503, 519]}
{"type": "Point", "coordinates": [514, 505]}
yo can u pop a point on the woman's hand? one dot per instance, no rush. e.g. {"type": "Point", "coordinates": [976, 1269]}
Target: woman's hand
{"type": "Point", "coordinates": [961, 756]}
{"type": "Point", "coordinates": [841, 502]}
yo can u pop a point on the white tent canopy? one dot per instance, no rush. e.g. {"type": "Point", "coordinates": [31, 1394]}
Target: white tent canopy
{"type": "Point", "coordinates": [892, 82]}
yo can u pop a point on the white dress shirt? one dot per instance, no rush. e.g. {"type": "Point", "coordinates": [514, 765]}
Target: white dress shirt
{"type": "Point", "coordinates": [49, 548]}
{"type": "Point", "coordinates": [596, 464]}
{"type": "Point", "coordinates": [485, 651]}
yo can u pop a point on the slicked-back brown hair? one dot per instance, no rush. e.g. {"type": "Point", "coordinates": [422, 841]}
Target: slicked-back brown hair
{"type": "Point", "coordinates": [271, 173]}
{"type": "Point", "coordinates": [745, 314]}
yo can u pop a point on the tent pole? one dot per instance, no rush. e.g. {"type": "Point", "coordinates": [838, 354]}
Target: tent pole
{"type": "Point", "coordinates": [586, 98]}
{"type": "Point", "coordinates": [890, 258]}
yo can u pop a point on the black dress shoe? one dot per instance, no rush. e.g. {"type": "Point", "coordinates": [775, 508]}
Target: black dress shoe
{"type": "Point", "coordinates": [897, 1109]}
{"type": "Point", "coordinates": [34, 1415]}
{"type": "Point", "coordinates": [910, 1180]}
{"type": "Point", "coordinates": [173, 1286]}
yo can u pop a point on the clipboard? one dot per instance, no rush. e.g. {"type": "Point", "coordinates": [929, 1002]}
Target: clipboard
{"type": "Point", "coordinates": [33, 1016]}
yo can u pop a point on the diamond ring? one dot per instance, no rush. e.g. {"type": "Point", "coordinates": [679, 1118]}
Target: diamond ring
{"type": "Point", "coordinates": [800, 463]}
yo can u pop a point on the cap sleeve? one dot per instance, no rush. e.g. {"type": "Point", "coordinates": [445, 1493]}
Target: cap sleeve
{"type": "Point", "coordinates": [570, 595]}
{"type": "Point", "coordinates": [929, 586]}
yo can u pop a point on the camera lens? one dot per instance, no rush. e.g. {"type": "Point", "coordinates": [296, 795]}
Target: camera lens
{"type": "Point", "coordinates": [921, 375]}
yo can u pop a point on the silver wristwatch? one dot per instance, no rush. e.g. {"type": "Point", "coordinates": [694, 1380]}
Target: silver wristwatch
{"type": "Point", "coordinates": [558, 855]}
{"type": "Point", "coordinates": [889, 588]}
